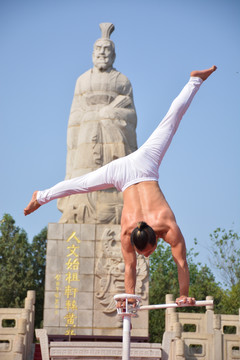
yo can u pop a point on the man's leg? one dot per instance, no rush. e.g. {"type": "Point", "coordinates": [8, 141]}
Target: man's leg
{"type": "Point", "coordinates": [96, 180]}
{"type": "Point", "coordinates": [157, 144]}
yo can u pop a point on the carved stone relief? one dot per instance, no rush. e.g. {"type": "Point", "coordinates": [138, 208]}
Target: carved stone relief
{"type": "Point", "coordinates": [110, 271]}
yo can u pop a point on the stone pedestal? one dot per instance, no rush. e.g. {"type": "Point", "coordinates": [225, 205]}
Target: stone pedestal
{"type": "Point", "coordinates": [84, 270]}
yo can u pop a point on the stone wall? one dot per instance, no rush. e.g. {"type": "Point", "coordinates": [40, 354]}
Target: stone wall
{"type": "Point", "coordinates": [84, 270]}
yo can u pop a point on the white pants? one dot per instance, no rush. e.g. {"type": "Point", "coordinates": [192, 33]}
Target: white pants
{"type": "Point", "coordinates": [141, 165]}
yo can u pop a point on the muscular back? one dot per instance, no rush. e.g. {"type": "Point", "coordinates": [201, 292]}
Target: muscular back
{"type": "Point", "coordinates": [145, 202]}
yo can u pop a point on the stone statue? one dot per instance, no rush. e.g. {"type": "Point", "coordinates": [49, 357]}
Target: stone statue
{"type": "Point", "coordinates": [101, 128]}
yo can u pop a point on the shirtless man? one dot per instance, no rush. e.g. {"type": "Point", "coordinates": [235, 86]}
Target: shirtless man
{"type": "Point", "coordinates": [146, 215]}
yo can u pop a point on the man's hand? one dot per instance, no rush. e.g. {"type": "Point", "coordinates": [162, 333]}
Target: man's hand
{"type": "Point", "coordinates": [122, 303]}
{"type": "Point", "coordinates": [185, 300]}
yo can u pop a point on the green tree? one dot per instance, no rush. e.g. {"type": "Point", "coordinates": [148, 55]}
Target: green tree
{"type": "Point", "coordinates": [225, 255]}
{"type": "Point", "coordinates": [225, 258]}
{"type": "Point", "coordinates": [15, 264]}
{"type": "Point", "coordinates": [38, 253]}
{"type": "Point", "coordinates": [164, 280]}
{"type": "Point", "coordinates": [231, 300]}
{"type": "Point", "coordinates": [22, 266]}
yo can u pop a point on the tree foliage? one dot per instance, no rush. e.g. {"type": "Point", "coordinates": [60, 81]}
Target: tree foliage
{"type": "Point", "coordinates": [38, 253]}
{"type": "Point", "coordinates": [15, 264]}
{"type": "Point", "coordinates": [225, 251]}
{"type": "Point", "coordinates": [22, 266]}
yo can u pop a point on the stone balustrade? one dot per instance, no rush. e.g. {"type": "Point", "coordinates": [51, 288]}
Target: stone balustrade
{"type": "Point", "coordinates": [187, 336]}
{"type": "Point", "coordinates": [17, 330]}
{"type": "Point", "coordinates": [200, 336]}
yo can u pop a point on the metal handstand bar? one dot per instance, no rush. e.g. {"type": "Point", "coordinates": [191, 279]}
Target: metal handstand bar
{"type": "Point", "coordinates": [128, 309]}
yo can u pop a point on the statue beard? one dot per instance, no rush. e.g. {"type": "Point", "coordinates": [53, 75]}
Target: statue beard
{"type": "Point", "coordinates": [102, 66]}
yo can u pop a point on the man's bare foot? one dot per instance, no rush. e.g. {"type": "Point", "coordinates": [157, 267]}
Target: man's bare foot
{"type": "Point", "coordinates": [204, 74]}
{"type": "Point", "coordinates": [33, 205]}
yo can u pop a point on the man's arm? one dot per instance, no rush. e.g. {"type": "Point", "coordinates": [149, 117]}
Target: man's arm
{"type": "Point", "coordinates": [182, 267]}
{"type": "Point", "coordinates": [175, 238]}
{"type": "Point", "coordinates": [130, 261]}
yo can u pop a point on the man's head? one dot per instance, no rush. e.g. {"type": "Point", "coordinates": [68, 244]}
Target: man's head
{"type": "Point", "coordinates": [103, 54]}
{"type": "Point", "coordinates": [143, 238]}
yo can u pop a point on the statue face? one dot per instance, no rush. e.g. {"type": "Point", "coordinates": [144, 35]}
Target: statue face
{"type": "Point", "coordinates": [103, 54]}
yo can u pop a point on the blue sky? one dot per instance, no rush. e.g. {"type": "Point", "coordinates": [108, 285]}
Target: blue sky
{"type": "Point", "coordinates": [46, 45]}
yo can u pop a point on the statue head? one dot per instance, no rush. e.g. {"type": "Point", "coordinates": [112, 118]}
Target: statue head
{"type": "Point", "coordinates": [104, 48]}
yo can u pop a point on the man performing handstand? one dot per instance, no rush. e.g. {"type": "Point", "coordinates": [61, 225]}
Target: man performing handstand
{"type": "Point", "coordinates": [146, 215]}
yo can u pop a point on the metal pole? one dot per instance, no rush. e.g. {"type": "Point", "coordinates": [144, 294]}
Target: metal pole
{"type": "Point", "coordinates": [126, 337]}
{"type": "Point", "coordinates": [174, 305]}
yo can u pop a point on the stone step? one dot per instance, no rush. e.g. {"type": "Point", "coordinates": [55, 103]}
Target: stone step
{"type": "Point", "coordinates": [102, 350]}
